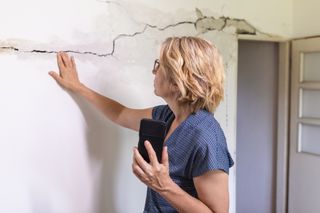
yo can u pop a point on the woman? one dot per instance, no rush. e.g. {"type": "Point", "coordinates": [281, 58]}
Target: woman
{"type": "Point", "coordinates": [193, 174]}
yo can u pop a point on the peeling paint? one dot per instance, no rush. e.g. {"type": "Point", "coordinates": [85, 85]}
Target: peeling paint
{"type": "Point", "coordinates": [207, 24]}
{"type": "Point", "coordinates": [240, 26]}
{"type": "Point", "coordinates": [203, 24]}
{"type": "Point", "coordinates": [226, 24]}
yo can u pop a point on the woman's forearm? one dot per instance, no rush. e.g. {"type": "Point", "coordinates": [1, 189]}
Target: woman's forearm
{"type": "Point", "coordinates": [182, 201]}
{"type": "Point", "coordinates": [110, 108]}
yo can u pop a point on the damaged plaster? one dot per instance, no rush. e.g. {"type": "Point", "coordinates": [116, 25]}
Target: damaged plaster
{"type": "Point", "coordinates": [202, 25]}
{"type": "Point", "coordinates": [226, 24]}
{"type": "Point", "coordinates": [113, 42]}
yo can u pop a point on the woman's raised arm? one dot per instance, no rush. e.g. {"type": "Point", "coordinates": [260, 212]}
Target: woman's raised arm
{"type": "Point", "coordinates": [116, 112]}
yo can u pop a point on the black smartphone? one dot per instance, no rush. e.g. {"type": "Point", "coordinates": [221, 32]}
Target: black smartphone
{"type": "Point", "coordinates": [155, 132]}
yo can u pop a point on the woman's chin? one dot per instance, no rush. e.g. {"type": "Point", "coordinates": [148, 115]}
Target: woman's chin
{"type": "Point", "coordinates": [155, 92]}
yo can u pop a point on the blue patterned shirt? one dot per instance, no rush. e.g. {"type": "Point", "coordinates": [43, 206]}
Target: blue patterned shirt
{"type": "Point", "coordinates": [196, 146]}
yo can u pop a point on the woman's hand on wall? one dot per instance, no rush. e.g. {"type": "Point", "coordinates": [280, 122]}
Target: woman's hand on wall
{"type": "Point", "coordinates": [68, 75]}
{"type": "Point", "coordinates": [155, 175]}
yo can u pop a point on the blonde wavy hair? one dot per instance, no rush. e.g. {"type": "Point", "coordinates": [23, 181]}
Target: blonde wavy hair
{"type": "Point", "coordinates": [195, 66]}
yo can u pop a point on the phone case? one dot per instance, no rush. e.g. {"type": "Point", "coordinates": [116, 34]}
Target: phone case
{"type": "Point", "coordinates": [155, 132]}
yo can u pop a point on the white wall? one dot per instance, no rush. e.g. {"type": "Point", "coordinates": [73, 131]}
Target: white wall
{"type": "Point", "coordinates": [306, 18]}
{"type": "Point", "coordinates": [58, 154]}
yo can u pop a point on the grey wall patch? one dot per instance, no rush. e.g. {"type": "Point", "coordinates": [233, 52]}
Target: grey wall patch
{"type": "Point", "coordinates": [237, 26]}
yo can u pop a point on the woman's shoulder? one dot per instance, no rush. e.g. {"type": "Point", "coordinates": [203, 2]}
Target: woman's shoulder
{"type": "Point", "coordinates": [205, 121]}
{"type": "Point", "coordinates": [161, 112]}
{"type": "Point", "coordinates": [207, 128]}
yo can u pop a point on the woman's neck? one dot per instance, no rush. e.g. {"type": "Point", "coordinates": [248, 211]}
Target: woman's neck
{"type": "Point", "coordinates": [181, 112]}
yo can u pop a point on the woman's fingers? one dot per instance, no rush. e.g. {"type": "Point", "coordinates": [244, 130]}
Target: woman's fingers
{"type": "Point", "coordinates": [73, 63]}
{"type": "Point", "coordinates": [165, 157]}
{"type": "Point", "coordinates": [55, 76]}
{"type": "Point", "coordinates": [137, 170]}
{"type": "Point", "coordinates": [67, 76]}
{"type": "Point", "coordinates": [66, 59]}
{"type": "Point", "coordinates": [154, 176]}
{"type": "Point", "coordinates": [60, 62]}
{"type": "Point", "coordinates": [140, 161]}
{"type": "Point", "coordinates": [152, 154]}
{"type": "Point", "coordinates": [66, 64]}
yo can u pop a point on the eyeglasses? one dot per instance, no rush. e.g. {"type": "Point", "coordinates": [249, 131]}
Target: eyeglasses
{"type": "Point", "coordinates": [156, 66]}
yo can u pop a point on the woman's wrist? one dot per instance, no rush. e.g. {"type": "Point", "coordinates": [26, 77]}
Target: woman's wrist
{"type": "Point", "coordinates": [79, 88]}
{"type": "Point", "coordinates": [169, 188]}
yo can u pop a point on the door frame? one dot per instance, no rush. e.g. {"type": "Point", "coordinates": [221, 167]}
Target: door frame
{"type": "Point", "coordinates": [283, 105]}
{"type": "Point", "coordinates": [283, 117]}
{"type": "Point", "coordinates": [283, 127]}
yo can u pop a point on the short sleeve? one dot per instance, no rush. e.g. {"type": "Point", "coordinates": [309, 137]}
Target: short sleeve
{"type": "Point", "coordinates": [211, 154]}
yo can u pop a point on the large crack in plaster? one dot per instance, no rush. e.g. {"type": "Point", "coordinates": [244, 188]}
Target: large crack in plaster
{"type": "Point", "coordinates": [203, 24]}
{"type": "Point", "coordinates": [97, 54]}
{"type": "Point", "coordinates": [50, 52]}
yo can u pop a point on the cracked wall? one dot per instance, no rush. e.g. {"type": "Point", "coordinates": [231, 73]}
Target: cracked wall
{"type": "Point", "coordinates": [58, 153]}
{"type": "Point", "coordinates": [202, 25]}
